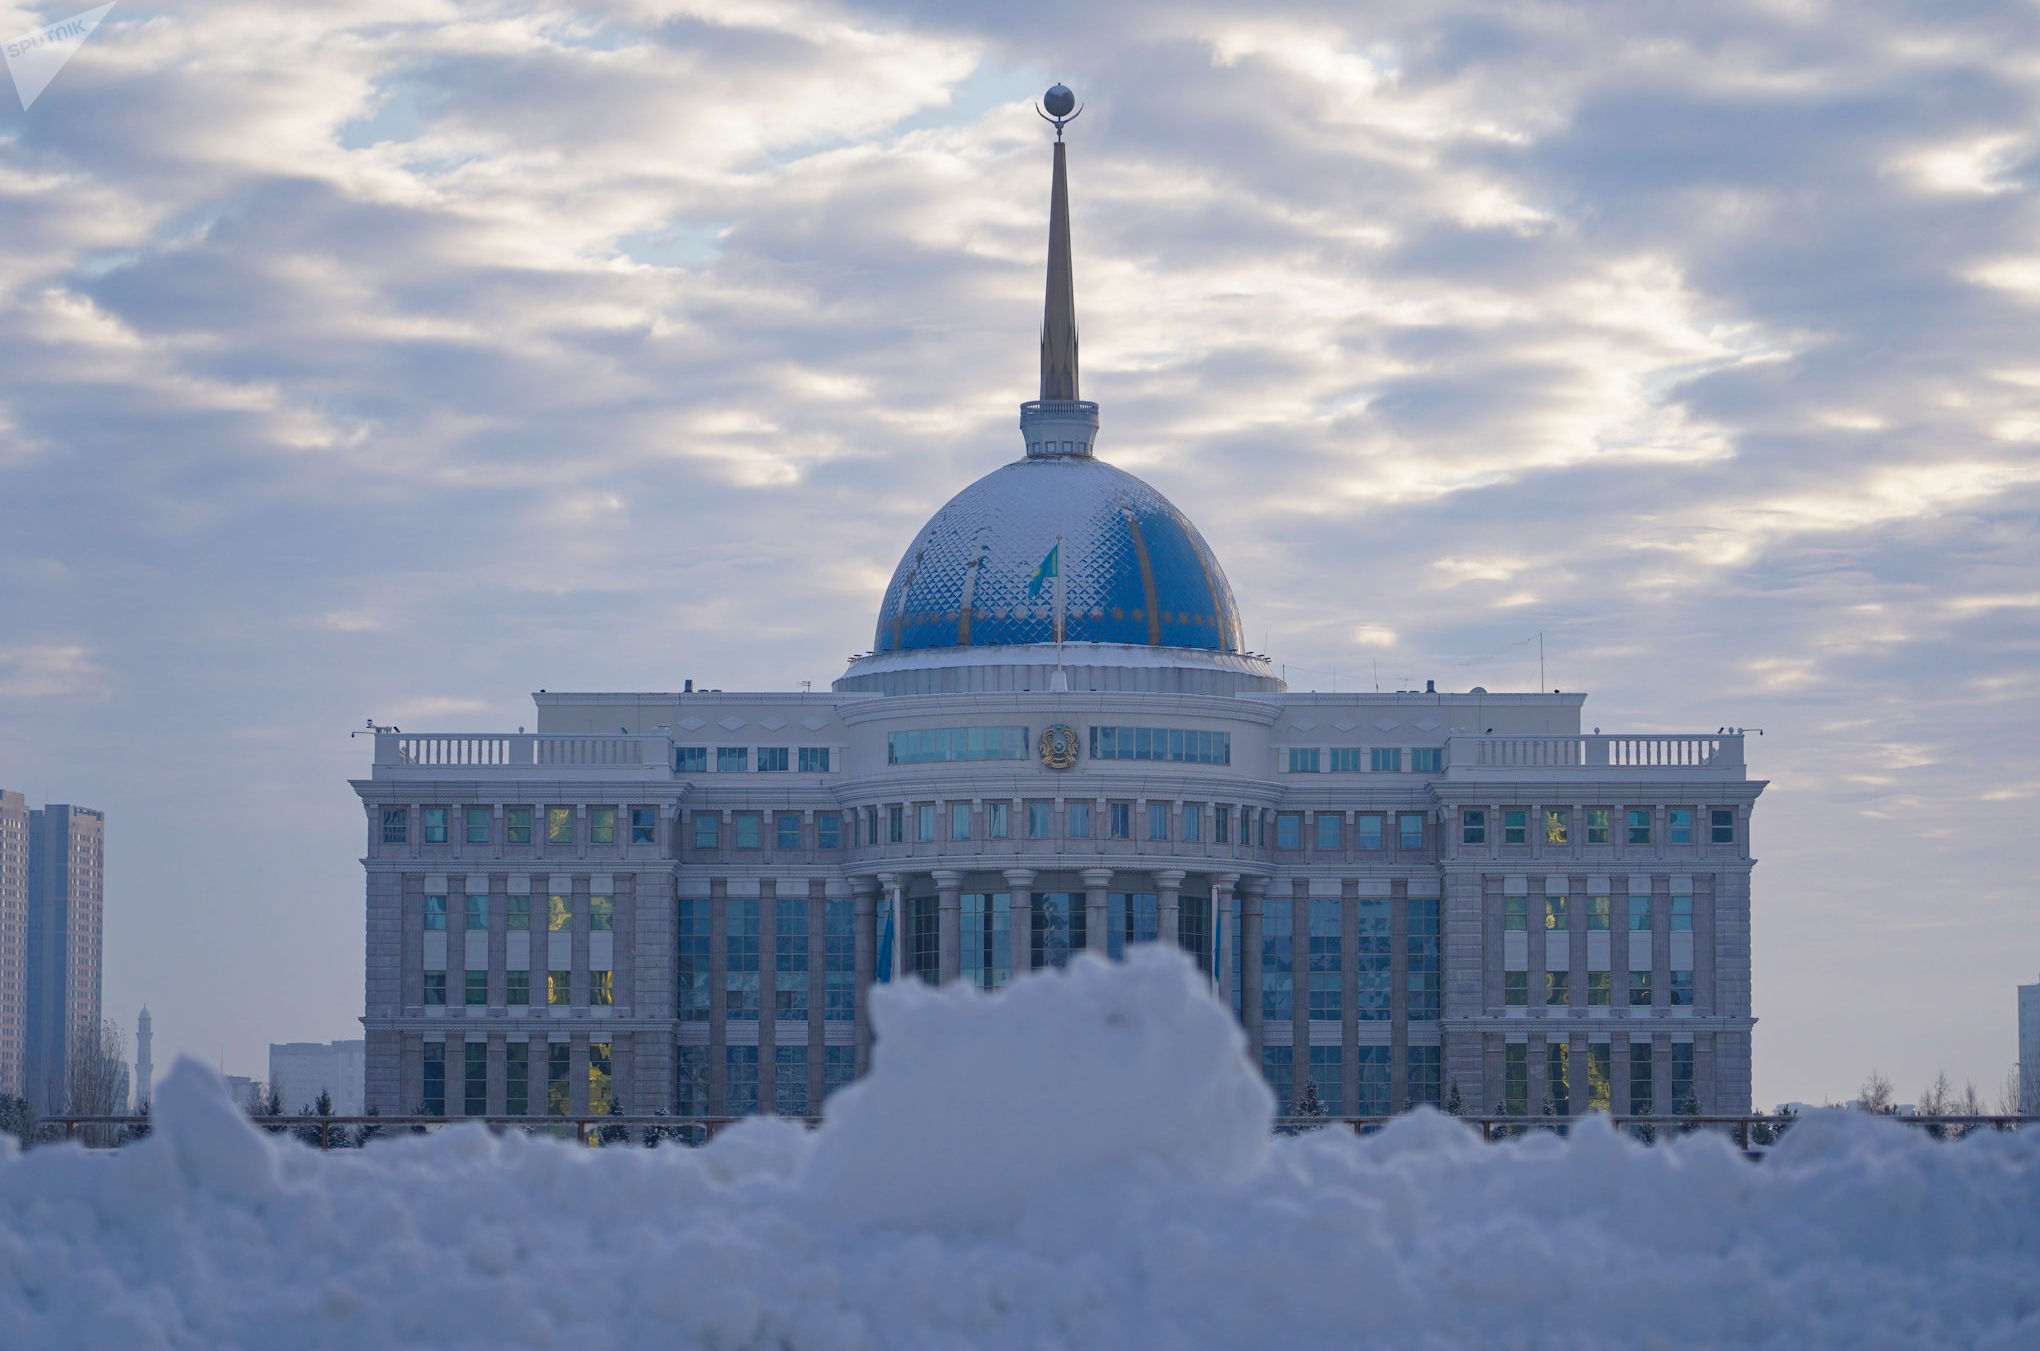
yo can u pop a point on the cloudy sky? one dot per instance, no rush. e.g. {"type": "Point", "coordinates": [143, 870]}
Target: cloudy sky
{"type": "Point", "coordinates": [394, 359]}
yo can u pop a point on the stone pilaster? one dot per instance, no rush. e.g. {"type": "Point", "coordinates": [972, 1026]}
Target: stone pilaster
{"type": "Point", "coordinates": [1097, 909]}
{"type": "Point", "coordinates": [948, 911]}
{"type": "Point", "coordinates": [1169, 905]}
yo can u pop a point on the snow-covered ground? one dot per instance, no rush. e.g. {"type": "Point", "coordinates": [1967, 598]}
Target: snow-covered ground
{"type": "Point", "coordinates": [1081, 1161]}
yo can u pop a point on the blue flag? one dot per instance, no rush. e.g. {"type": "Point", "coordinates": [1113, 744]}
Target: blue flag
{"type": "Point", "coordinates": [1051, 566]}
{"type": "Point", "coordinates": [882, 972]}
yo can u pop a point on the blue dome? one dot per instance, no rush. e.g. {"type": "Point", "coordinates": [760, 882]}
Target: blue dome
{"type": "Point", "coordinates": [1133, 568]}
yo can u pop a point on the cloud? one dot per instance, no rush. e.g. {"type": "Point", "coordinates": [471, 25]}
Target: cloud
{"type": "Point", "coordinates": [51, 671]}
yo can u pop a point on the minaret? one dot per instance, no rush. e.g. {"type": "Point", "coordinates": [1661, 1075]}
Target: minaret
{"type": "Point", "coordinates": [144, 1068]}
{"type": "Point", "coordinates": [1059, 423]}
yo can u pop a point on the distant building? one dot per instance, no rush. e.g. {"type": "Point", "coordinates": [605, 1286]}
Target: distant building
{"type": "Point", "coordinates": [145, 1068]}
{"type": "Point", "coordinates": [52, 896]}
{"type": "Point", "coordinates": [2029, 1048]}
{"type": "Point", "coordinates": [300, 1070]}
{"type": "Point", "coordinates": [245, 1092]}
{"type": "Point", "coordinates": [13, 944]}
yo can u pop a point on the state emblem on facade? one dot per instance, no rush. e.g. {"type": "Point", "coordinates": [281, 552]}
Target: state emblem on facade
{"type": "Point", "coordinates": [1059, 746]}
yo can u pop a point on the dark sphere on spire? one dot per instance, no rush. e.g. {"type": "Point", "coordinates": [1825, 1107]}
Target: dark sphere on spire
{"type": "Point", "coordinates": [1059, 101]}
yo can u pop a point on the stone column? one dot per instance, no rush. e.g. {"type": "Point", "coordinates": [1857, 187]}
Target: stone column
{"type": "Point", "coordinates": [1020, 887]}
{"type": "Point", "coordinates": [1169, 905]}
{"type": "Point", "coordinates": [948, 911]}
{"type": "Point", "coordinates": [864, 908]}
{"type": "Point", "coordinates": [1222, 885]}
{"type": "Point", "coordinates": [1097, 908]}
{"type": "Point", "coordinates": [1251, 890]}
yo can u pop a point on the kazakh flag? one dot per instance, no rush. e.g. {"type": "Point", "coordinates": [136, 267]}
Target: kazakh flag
{"type": "Point", "coordinates": [1051, 566]}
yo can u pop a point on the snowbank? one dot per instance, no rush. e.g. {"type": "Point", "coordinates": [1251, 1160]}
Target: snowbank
{"type": "Point", "coordinates": [1082, 1161]}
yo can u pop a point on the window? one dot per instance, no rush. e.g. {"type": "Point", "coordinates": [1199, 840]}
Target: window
{"type": "Point", "coordinates": [644, 825]}
{"type": "Point", "coordinates": [772, 759]}
{"type": "Point", "coordinates": [1555, 912]}
{"type": "Point", "coordinates": [1515, 988]}
{"type": "Point", "coordinates": [396, 825]}
{"type": "Point", "coordinates": [517, 825]}
{"type": "Point", "coordinates": [924, 939]}
{"type": "Point", "coordinates": [1641, 1090]}
{"type": "Point", "coordinates": [1683, 1100]}
{"type": "Point", "coordinates": [1516, 1078]}
{"type": "Point", "coordinates": [1679, 825]}
{"type": "Point", "coordinates": [1122, 820]}
{"type": "Point", "coordinates": [829, 830]}
{"type": "Point", "coordinates": [786, 830]}
{"type": "Point", "coordinates": [1158, 821]}
{"type": "Point", "coordinates": [1598, 1088]}
{"type": "Point", "coordinates": [1597, 825]}
{"type": "Point", "coordinates": [790, 959]}
{"type": "Point", "coordinates": [1639, 826]}
{"type": "Point", "coordinates": [602, 914]}
{"type": "Point", "coordinates": [516, 1078]}
{"type": "Point", "coordinates": [1278, 992]}
{"type": "Point", "coordinates": [1682, 914]}
{"type": "Point", "coordinates": [1325, 1073]}
{"type": "Point", "coordinates": [1327, 971]}
{"type": "Point", "coordinates": [839, 1067]}
{"type": "Point", "coordinates": [694, 984]}
{"type": "Point", "coordinates": [749, 825]}
{"type": "Point", "coordinates": [870, 825]}
{"type": "Point", "coordinates": [559, 988]}
{"type": "Point", "coordinates": [1515, 913]}
{"type": "Point", "coordinates": [1515, 827]}
{"type": "Point", "coordinates": [475, 824]}
{"type": "Point", "coordinates": [986, 925]}
{"type": "Point", "coordinates": [996, 820]}
{"type": "Point", "coordinates": [1037, 820]}
{"type": "Point", "coordinates": [1080, 820]}
{"type": "Point", "coordinates": [1193, 823]}
{"type": "Point", "coordinates": [690, 759]}
{"type": "Point", "coordinates": [1428, 760]}
{"type": "Point", "coordinates": [1303, 760]}
{"type": "Point", "coordinates": [558, 1096]}
{"type": "Point", "coordinates": [1425, 1073]}
{"type": "Point", "coordinates": [932, 745]}
{"type": "Point", "coordinates": [601, 1084]}
{"type": "Point", "coordinates": [1221, 825]}
{"type": "Point", "coordinates": [1288, 830]}
{"type": "Point", "coordinates": [477, 991]}
{"type": "Point", "coordinates": [435, 914]}
{"type": "Point", "coordinates": [925, 814]}
{"type": "Point", "coordinates": [517, 914]}
{"type": "Point", "coordinates": [1597, 913]}
{"type": "Point", "coordinates": [1557, 824]}
{"type": "Point", "coordinates": [558, 910]}
{"type": "Point", "coordinates": [1373, 975]}
{"type": "Point", "coordinates": [1177, 744]}
{"type": "Point", "coordinates": [435, 989]}
{"type": "Point", "coordinates": [732, 759]}
{"type": "Point", "coordinates": [1600, 989]}
{"type": "Point", "coordinates": [1386, 760]}
{"type": "Point", "coordinates": [690, 1081]}
{"type": "Point", "coordinates": [1558, 1078]}
{"type": "Point", "coordinates": [478, 913]}
{"type": "Point", "coordinates": [740, 960]}
{"type": "Point", "coordinates": [1557, 988]}
{"type": "Point", "coordinates": [602, 825]}
{"type": "Point", "coordinates": [559, 825]}
{"type": "Point", "coordinates": [1473, 826]}
{"type": "Point", "coordinates": [740, 1080]}
{"type": "Point", "coordinates": [959, 820]}
{"type": "Point", "coordinates": [1639, 989]}
{"type": "Point", "coordinates": [1345, 760]}
{"type": "Point", "coordinates": [435, 826]}
{"type": "Point", "coordinates": [1059, 928]}
{"type": "Point", "coordinates": [707, 829]}
{"type": "Point", "coordinates": [1682, 989]}
{"type": "Point", "coordinates": [814, 759]}
{"type": "Point", "coordinates": [1410, 831]}
{"type": "Point", "coordinates": [517, 988]}
{"type": "Point", "coordinates": [896, 820]}
{"type": "Point", "coordinates": [1421, 921]}
{"type": "Point", "coordinates": [789, 1080]}
{"type": "Point", "coordinates": [1639, 914]}
{"type": "Point", "coordinates": [839, 955]}
{"type": "Point", "coordinates": [1721, 829]}
{"type": "Point", "coordinates": [1328, 829]}
{"type": "Point", "coordinates": [432, 1086]}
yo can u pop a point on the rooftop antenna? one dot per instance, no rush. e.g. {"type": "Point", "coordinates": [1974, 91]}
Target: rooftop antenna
{"type": "Point", "coordinates": [1540, 659]}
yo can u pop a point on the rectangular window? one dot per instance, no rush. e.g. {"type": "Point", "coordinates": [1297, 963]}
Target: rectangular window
{"type": "Point", "coordinates": [1639, 989]}
{"type": "Point", "coordinates": [558, 910]}
{"type": "Point", "coordinates": [1278, 1067]}
{"type": "Point", "coordinates": [1288, 830]}
{"type": "Point", "coordinates": [1059, 928]}
{"type": "Point", "coordinates": [828, 830]}
{"type": "Point", "coordinates": [1409, 831]}
{"type": "Point", "coordinates": [789, 1081]}
{"type": "Point", "coordinates": [396, 825]}
{"type": "Point", "coordinates": [432, 1086]}
{"type": "Point", "coordinates": [1641, 1086]}
{"type": "Point", "coordinates": [1556, 912]}
{"type": "Point", "coordinates": [772, 759]}
{"type": "Point", "coordinates": [959, 820]}
{"type": "Point", "coordinates": [1122, 820]}
{"type": "Point", "coordinates": [517, 988]}
{"type": "Point", "coordinates": [1327, 967]}
{"type": "Point", "coordinates": [1557, 988]}
{"type": "Point", "coordinates": [1597, 825]}
{"type": "Point", "coordinates": [923, 938]}
{"type": "Point", "coordinates": [435, 989]}
{"type": "Point", "coordinates": [1368, 831]}
{"type": "Point", "coordinates": [1598, 1088]}
{"type": "Point", "coordinates": [1080, 820]}
{"type": "Point", "coordinates": [707, 829]}
{"type": "Point", "coordinates": [601, 1080]}
{"type": "Point", "coordinates": [996, 820]}
{"type": "Point", "coordinates": [1176, 744]}
{"type": "Point", "coordinates": [690, 1081]}
{"type": "Point", "coordinates": [1303, 760]}
{"type": "Point", "coordinates": [749, 827]}
{"type": "Point", "coordinates": [790, 960]}
{"type": "Point", "coordinates": [814, 759]}
{"type": "Point", "coordinates": [1516, 1078]}
{"type": "Point", "coordinates": [644, 825]}
{"type": "Point", "coordinates": [1373, 963]}
{"type": "Point", "coordinates": [1721, 828]}
{"type": "Point", "coordinates": [690, 759]}
{"type": "Point", "coordinates": [1221, 825]}
{"type": "Point", "coordinates": [896, 821]}
{"type": "Point", "coordinates": [476, 824]}
{"type": "Point", "coordinates": [1278, 975]}
{"type": "Point", "coordinates": [1557, 824]}
{"type": "Point", "coordinates": [1600, 990]}
{"type": "Point", "coordinates": [1345, 760]}
{"type": "Point", "coordinates": [517, 914]}
{"type": "Point", "coordinates": [1386, 760]}
{"type": "Point", "coordinates": [476, 992]}
{"type": "Point", "coordinates": [1428, 760]}
{"type": "Point", "coordinates": [1037, 820]}
{"type": "Point", "coordinates": [839, 1067]}
{"type": "Point", "coordinates": [1325, 1072]}
{"type": "Point", "coordinates": [1421, 926]}
{"type": "Point", "coordinates": [1515, 913]}
{"type": "Point", "coordinates": [602, 914]}
{"type": "Point", "coordinates": [559, 825]}
{"type": "Point", "coordinates": [786, 830]}
{"type": "Point", "coordinates": [1683, 1100]}
{"type": "Point", "coordinates": [1597, 914]}
{"type": "Point", "coordinates": [925, 814]}
{"type": "Point", "coordinates": [732, 759]}
{"type": "Point", "coordinates": [839, 956]}
{"type": "Point", "coordinates": [1682, 989]}
{"type": "Point", "coordinates": [1158, 821]}
{"type": "Point", "coordinates": [1558, 1078]}
{"type": "Point", "coordinates": [1329, 826]}
{"type": "Point", "coordinates": [871, 825]}
{"type": "Point", "coordinates": [694, 941]}
{"type": "Point", "coordinates": [559, 1095]}
{"type": "Point", "coordinates": [435, 826]}
{"type": "Point", "coordinates": [1473, 826]}
{"type": "Point", "coordinates": [1639, 914]}
{"type": "Point", "coordinates": [1425, 1073]}
{"type": "Point", "coordinates": [986, 939]}
{"type": "Point", "coordinates": [1515, 827]}
{"type": "Point", "coordinates": [1639, 826]}
{"type": "Point", "coordinates": [1682, 914]}
{"type": "Point", "coordinates": [740, 1080]}
{"type": "Point", "coordinates": [1193, 823]}
{"type": "Point", "coordinates": [517, 825]}
{"type": "Point", "coordinates": [740, 961]}
{"type": "Point", "coordinates": [934, 745]}
{"type": "Point", "coordinates": [435, 914]}
{"type": "Point", "coordinates": [478, 914]}
{"type": "Point", "coordinates": [1679, 825]}
{"type": "Point", "coordinates": [602, 825]}
{"type": "Point", "coordinates": [516, 1078]}
{"type": "Point", "coordinates": [1516, 988]}
{"type": "Point", "coordinates": [559, 988]}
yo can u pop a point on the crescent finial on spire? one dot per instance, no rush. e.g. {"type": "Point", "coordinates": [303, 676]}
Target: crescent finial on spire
{"type": "Point", "coordinates": [1059, 317]}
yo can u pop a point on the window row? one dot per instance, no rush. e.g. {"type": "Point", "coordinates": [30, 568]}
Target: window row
{"type": "Point", "coordinates": [1600, 989]}
{"type": "Point", "coordinates": [1331, 976]}
{"type": "Point", "coordinates": [1555, 912]}
{"type": "Point", "coordinates": [1569, 1086]}
{"type": "Point", "coordinates": [745, 1092]}
{"type": "Point", "coordinates": [1556, 825]}
{"type": "Point", "coordinates": [737, 759]}
{"type": "Point", "coordinates": [928, 822]}
{"type": "Point", "coordinates": [935, 745]}
{"type": "Point", "coordinates": [552, 1059]}
{"type": "Point", "coordinates": [558, 912]}
{"type": "Point", "coordinates": [1317, 1079]}
{"type": "Point", "coordinates": [1371, 830]}
{"type": "Point", "coordinates": [1173, 744]}
{"type": "Point", "coordinates": [555, 989]}
{"type": "Point", "coordinates": [521, 825]}
{"type": "Point", "coordinates": [788, 959]}
{"type": "Point", "coordinates": [1367, 759]}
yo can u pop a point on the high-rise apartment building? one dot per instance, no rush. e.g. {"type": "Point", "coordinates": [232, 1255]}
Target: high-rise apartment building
{"type": "Point", "coordinates": [66, 899]}
{"type": "Point", "coordinates": [13, 943]}
{"type": "Point", "coordinates": [2029, 1048]}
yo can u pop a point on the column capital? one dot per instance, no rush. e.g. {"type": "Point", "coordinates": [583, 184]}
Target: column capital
{"type": "Point", "coordinates": [1254, 887]}
{"type": "Point", "coordinates": [1097, 877]}
{"type": "Point", "coordinates": [1020, 879]}
{"type": "Point", "coordinates": [1226, 880]}
{"type": "Point", "coordinates": [947, 879]}
{"type": "Point", "coordinates": [1170, 879]}
{"type": "Point", "coordinates": [864, 888]}
{"type": "Point", "coordinates": [889, 880]}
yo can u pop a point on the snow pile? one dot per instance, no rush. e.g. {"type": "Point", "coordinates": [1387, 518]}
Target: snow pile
{"type": "Point", "coordinates": [1082, 1161]}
